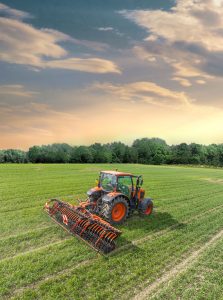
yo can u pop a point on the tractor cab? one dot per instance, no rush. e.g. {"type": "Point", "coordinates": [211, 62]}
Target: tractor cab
{"type": "Point", "coordinates": [125, 183]}
{"type": "Point", "coordinates": [111, 181]}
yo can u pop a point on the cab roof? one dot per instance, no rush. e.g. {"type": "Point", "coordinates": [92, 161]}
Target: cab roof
{"type": "Point", "coordinates": [116, 173]}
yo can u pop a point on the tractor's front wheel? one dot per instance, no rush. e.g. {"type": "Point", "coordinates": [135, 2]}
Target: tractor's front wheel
{"type": "Point", "coordinates": [117, 211]}
{"type": "Point", "coordinates": [146, 207]}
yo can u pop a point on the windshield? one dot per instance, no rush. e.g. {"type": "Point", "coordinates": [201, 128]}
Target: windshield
{"type": "Point", "coordinates": [108, 181]}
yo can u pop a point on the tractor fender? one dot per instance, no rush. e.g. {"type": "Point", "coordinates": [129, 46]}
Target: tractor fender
{"type": "Point", "coordinates": [94, 193]}
{"type": "Point", "coordinates": [111, 196]}
{"type": "Point", "coordinates": [144, 203]}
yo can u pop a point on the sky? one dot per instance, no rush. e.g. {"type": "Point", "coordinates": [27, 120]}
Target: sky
{"type": "Point", "coordinates": [89, 71]}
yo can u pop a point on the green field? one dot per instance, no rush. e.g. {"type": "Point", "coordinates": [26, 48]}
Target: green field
{"type": "Point", "coordinates": [174, 254]}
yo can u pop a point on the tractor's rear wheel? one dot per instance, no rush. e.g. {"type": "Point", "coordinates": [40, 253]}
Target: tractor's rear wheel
{"type": "Point", "coordinates": [117, 211]}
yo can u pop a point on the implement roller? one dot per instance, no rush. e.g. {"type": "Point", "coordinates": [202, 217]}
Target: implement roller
{"type": "Point", "coordinates": [77, 220]}
{"type": "Point", "coordinates": [116, 195]}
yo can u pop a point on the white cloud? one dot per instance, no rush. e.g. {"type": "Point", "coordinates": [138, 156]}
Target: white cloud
{"type": "Point", "coordinates": [111, 29]}
{"type": "Point", "coordinates": [189, 37]}
{"type": "Point", "coordinates": [144, 92]}
{"type": "Point", "coordinates": [16, 90]}
{"type": "Point", "coordinates": [182, 81]}
{"type": "Point", "coordinates": [143, 54]}
{"type": "Point", "coordinates": [200, 81]}
{"type": "Point", "coordinates": [190, 20]}
{"type": "Point", "coordinates": [91, 65]}
{"type": "Point", "coordinates": [23, 44]}
{"type": "Point", "coordinates": [105, 28]}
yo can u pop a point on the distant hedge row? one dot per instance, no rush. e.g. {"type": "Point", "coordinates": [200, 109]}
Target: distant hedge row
{"type": "Point", "coordinates": [145, 151]}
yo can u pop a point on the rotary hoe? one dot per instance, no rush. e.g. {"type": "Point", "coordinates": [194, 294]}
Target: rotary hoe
{"type": "Point", "coordinates": [115, 197]}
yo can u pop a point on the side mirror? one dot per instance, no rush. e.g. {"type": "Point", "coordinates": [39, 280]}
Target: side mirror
{"type": "Point", "coordinates": [139, 181]}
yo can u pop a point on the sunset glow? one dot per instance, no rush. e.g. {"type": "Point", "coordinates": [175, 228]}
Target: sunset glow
{"type": "Point", "coordinates": [110, 72]}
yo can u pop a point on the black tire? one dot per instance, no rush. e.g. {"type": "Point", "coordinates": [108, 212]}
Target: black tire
{"type": "Point", "coordinates": [108, 214]}
{"type": "Point", "coordinates": [146, 207]}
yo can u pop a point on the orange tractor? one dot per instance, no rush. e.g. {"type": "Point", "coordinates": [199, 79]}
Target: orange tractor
{"type": "Point", "coordinates": [115, 197]}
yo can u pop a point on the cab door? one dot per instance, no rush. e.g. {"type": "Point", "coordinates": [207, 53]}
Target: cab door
{"type": "Point", "coordinates": [125, 185]}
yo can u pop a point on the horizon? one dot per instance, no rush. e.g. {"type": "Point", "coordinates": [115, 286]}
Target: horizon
{"type": "Point", "coordinates": [130, 144]}
{"type": "Point", "coordinates": [84, 72]}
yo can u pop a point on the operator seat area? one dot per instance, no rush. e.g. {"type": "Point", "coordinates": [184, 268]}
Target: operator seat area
{"type": "Point", "coordinates": [124, 185]}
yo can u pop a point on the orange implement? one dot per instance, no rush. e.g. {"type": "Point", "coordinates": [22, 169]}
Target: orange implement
{"type": "Point", "coordinates": [96, 232]}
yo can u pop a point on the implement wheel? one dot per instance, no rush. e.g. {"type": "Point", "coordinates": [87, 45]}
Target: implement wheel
{"type": "Point", "coordinates": [117, 211]}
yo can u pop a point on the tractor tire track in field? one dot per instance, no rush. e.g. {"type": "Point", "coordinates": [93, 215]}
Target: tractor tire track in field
{"type": "Point", "coordinates": [75, 197]}
{"type": "Point", "coordinates": [218, 181]}
{"type": "Point", "coordinates": [161, 232]}
{"type": "Point", "coordinates": [121, 248]}
{"type": "Point", "coordinates": [178, 269]}
{"type": "Point", "coordinates": [45, 227]}
{"type": "Point", "coordinates": [174, 200]}
{"type": "Point", "coordinates": [26, 232]}
{"type": "Point", "coordinates": [36, 249]}
{"type": "Point", "coordinates": [67, 271]}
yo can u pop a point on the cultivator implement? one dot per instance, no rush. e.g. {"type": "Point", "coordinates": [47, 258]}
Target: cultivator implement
{"type": "Point", "coordinates": [77, 220]}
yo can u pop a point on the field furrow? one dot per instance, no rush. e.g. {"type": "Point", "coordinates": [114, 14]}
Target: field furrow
{"type": "Point", "coordinates": [182, 266]}
{"type": "Point", "coordinates": [175, 245]}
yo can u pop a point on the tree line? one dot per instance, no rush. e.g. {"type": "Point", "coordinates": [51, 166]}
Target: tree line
{"type": "Point", "coordinates": [144, 151]}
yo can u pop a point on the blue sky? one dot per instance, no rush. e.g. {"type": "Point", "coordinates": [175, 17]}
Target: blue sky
{"type": "Point", "coordinates": [86, 71]}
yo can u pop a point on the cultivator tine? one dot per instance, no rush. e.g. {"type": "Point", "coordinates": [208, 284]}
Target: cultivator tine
{"type": "Point", "coordinates": [96, 232]}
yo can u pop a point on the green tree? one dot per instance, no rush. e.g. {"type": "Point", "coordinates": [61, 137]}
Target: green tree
{"type": "Point", "coordinates": [118, 152]}
{"type": "Point", "coordinates": [212, 155]}
{"type": "Point", "coordinates": [101, 153]}
{"type": "Point", "coordinates": [81, 154]}
{"type": "Point", "coordinates": [151, 151]}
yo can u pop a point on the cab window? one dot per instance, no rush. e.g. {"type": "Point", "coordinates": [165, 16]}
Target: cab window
{"type": "Point", "coordinates": [108, 182]}
{"type": "Point", "coordinates": [125, 185]}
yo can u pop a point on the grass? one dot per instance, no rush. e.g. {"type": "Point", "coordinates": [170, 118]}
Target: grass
{"type": "Point", "coordinates": [38, 260]}
{"type": "Point", "coordinates": [203, 280]}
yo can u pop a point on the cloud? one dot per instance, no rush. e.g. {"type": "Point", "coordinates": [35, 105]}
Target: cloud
{"type": "Point", "coordinates": [142, 53]}
{"type": "Point", "coordinates": [111, 29]}
{"type": "Point", "coordinates": [144, 92]}
{"type": "Point", "coordinates": [6, 11]}
{"type": "Point", "coordinates": [105, 28]}
{"type": "Point", "coordinates": [16, 90]}
{"type": "Point", "coordinates": [189, 37]}
{"type": "Point", "coordinates": [23, 44]}
{"type": "Point", "coordinates": [183, 63]}
{"type": "Point", "coordinates": [198, 22]}
{"type": "Point", "coordinates": [24, 124]}
{"type": "Point", "coordinates": [199, 81]}
{"type": "Point", "coordinates": [91, 65]}
{"type": "Point", "coordinates": [182, 81]}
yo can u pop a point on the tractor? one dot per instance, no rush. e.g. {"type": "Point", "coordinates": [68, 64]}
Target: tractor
{"type": "Point", "coordinates": [116, 196]}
